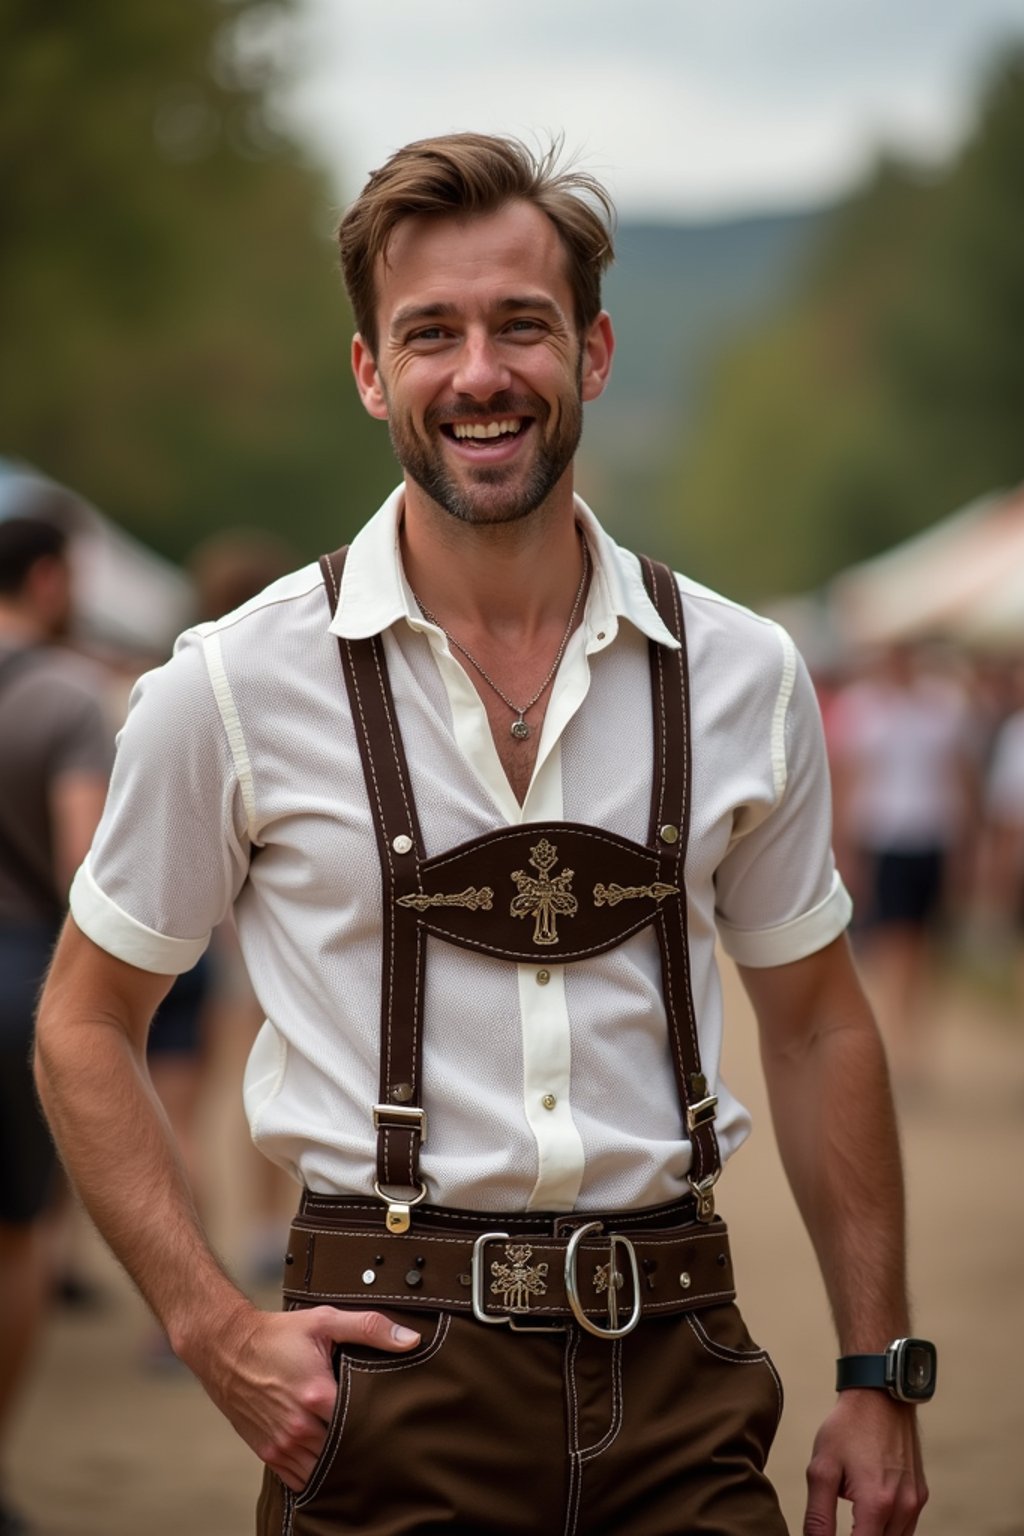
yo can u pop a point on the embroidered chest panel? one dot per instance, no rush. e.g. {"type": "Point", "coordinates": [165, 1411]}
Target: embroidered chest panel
{"type": "Point", "coordinates": [560, 890]}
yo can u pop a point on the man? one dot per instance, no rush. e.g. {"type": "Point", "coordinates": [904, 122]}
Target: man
{"type": "Point", "coordinates": [477, 885]}
{"type": "Point", "coordinates": [54, 763]}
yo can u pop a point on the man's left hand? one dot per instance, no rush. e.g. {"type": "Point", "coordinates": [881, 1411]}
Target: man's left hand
{"type": "Point", "coordinates": [867, 1451]}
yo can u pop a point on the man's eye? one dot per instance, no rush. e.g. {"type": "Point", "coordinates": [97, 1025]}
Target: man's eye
{"type": "Point", "coordinates": [427, 333]}
{"type": "Point", "coordinates": [523, 324]}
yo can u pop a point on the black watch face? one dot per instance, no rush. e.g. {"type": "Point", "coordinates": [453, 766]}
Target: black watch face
{"type": "Point", "coordinates": [915, 1370]}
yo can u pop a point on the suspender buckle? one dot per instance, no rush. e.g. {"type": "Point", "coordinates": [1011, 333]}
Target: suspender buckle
{"type": "Point", "coordinates": [701, 1113]}
{"type": "Point", "coordinates": [704, 1192]}
{"type": "Point", "coordinates": [404, 1117]}
{"type": "Point", "coordinates": [399, 1206]}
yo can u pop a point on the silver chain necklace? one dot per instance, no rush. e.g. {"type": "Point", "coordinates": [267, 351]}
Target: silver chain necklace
{"type": "Point", "coordinates": [519, 728]}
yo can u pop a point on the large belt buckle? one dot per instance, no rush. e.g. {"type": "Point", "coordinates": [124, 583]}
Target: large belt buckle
{"type": "Point", "coordinates": [616, 1240]}
{"type": "Point", "coordinates": [522, 1275]}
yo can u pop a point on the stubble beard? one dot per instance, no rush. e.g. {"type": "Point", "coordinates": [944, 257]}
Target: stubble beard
{"type": "Point", "coordinates": [496, 494]}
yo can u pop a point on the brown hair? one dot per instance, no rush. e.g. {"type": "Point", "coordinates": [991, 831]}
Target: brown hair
{"type": "Point", "coordinates": [466, 173]}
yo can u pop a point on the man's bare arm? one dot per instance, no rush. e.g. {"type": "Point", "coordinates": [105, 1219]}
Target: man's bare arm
{"type": "Point", "coordinates": [270, 1373]}
{"type": "Point", "coordinates": [832, 1109]}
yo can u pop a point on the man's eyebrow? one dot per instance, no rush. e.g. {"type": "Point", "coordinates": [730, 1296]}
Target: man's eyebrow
{"type": "Point", "coordinates": [416, 314]}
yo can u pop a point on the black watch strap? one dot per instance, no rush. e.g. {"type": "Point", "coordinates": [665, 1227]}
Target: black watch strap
{"type": "Point", "coordinates": [861, 1371]}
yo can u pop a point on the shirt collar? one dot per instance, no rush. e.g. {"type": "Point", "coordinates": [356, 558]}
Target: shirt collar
{"type": "Point", "coordinates": [375, 594]}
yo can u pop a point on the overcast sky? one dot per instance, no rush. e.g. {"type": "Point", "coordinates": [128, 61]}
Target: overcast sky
{"type": "Point", "coordinates": [686, 108]}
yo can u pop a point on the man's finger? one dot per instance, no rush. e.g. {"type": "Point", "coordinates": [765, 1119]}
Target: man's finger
{"type": "Point", "coordinates": [823, 1478]}
{"type": "Point", "coordinates": [370, 1328]}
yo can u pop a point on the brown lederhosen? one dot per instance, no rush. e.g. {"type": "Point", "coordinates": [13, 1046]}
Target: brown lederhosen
{"type": "Point", "coordinates": [558, 891]}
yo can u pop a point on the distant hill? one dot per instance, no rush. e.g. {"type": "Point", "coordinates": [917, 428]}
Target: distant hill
{"type": "Point", "coordinates": [677, 293]}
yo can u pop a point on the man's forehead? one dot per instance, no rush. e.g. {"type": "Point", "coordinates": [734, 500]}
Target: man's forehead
{"type": "Point", "coordinates": [441, 249]}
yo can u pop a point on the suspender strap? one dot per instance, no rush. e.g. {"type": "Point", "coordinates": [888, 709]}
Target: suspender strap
{"type": "Point", "coordinates": [669, 833]}
{"type": "Point", "coordinates": [398, 1116]}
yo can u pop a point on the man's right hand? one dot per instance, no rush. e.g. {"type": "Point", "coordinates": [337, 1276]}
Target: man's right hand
{"type": "Point", "coordinates": [271, 1374]}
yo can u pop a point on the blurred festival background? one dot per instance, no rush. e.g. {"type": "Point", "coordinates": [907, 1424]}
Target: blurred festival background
{"type": "Point", "coordinates": [818, 399]}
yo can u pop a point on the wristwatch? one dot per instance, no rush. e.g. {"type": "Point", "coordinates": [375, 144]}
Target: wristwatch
{"type": "Point", "coordinates": [906, 1371]}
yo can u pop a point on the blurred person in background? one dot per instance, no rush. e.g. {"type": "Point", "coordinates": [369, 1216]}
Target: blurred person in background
{"type": "Point", "coordinates": [56, 747]}
{"type": "Point", "coordinates": [1004, 807]}
{"type": "Point", "coordinates": [905, 752]}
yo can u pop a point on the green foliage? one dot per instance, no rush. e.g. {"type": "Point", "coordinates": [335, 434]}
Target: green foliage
{"type": "Point", "coordinates": [174, 334]}
{"type": "Point", "coordinates": [888, 392]}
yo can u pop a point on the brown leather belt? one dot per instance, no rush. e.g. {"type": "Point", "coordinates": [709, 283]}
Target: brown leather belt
{"type": "Point", "coordinates": [604, 1272]}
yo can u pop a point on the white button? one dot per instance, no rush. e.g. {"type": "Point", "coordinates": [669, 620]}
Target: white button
{"type": "Point", "coordinates": [369, 1276]}
{"type": "Point", "coordinates": [549, 1101]}
{"type": "Point", "coordinates": [402, 843]}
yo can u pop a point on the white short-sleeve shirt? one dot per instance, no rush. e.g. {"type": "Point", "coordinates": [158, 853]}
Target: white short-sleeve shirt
{"type": "Point", "coordinates": [238, 783]}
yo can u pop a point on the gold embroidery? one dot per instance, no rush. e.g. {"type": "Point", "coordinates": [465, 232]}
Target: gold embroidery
{"type": "Point", "coordinates": [476, 900]}
{"type": "Point", "coordinates": [611, 895]}
{"type": "Point", "coordinates": [520, 1280]}
{"type": "Point", "coordinates": [546, 898]}
{"type": "Point", "coordinates": [601, 1278]}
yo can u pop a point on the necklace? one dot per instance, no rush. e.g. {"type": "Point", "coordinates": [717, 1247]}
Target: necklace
{"type": "Point", "coordinates": [519, 728]}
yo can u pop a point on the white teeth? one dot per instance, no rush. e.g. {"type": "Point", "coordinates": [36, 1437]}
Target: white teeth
{"type": "Point", "coordinates": [492, 429]}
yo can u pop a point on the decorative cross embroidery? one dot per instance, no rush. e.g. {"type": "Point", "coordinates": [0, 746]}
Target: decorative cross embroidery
{"type": "Point", "coordinates": [546, 898]}
{"type": "Point", "coordinates": [611, 895]}
{"type": "Point", "coordinates": [520, 1280]}
{"type": "Point", "coordinates": [476, 900]}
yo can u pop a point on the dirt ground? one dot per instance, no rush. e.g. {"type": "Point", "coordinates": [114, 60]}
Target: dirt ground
{"type": "Point", "coordinates": [107, 1446]}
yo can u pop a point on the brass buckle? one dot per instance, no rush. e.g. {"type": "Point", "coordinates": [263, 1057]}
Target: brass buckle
{"type": "Point", "coordinates": [615, 1240]}
{"type": "Point", "coordinates": [477, 1293]}
{"type": "Point", "coordinates": [398, 1218]}
{"type": "Point", "coordinates": [701, 1113]}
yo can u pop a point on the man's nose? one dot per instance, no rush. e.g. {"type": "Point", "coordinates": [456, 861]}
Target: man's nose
{"type": "Point", "coordinates": [480, 371]}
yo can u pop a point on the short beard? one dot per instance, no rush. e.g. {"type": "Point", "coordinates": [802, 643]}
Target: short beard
{"type": "Point", "coordinates": [553, 458]}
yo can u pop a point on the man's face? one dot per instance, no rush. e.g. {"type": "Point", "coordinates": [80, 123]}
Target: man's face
{"type": "Point", "coordinates": [480, 372]}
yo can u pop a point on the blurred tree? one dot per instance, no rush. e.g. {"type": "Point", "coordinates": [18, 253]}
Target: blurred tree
{"type": "Point", "coordinates": [887, 392]}
{"type": "Point", "coordinates": [174, 335]}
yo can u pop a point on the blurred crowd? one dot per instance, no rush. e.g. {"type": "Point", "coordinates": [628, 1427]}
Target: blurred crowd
{"type": "Point", "coordinates": [926, 743]}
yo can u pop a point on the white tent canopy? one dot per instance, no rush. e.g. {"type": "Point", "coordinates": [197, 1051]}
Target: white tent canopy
{"type": "Point", "coordinates": [963, 578]}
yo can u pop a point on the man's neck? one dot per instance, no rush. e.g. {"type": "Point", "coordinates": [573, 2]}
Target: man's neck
{"type": "Point", "coordinates": [508, 579]}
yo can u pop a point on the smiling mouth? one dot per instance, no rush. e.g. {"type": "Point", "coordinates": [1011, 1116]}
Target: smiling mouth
{"type": "Point", "coordinates": [485, 432]}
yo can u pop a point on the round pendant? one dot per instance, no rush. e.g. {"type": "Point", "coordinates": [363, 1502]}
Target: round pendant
{"type": "Point", "coordinates": [520, 730]}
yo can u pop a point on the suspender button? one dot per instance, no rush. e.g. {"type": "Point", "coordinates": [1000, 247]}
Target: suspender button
{"type": "Point", "coordinates": [668, 833]}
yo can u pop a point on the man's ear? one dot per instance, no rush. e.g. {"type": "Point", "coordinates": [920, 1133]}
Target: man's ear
{"type": "Point", "coordinates": [364, 368]}
{"type": "Point", "coordinates": [598, 350]}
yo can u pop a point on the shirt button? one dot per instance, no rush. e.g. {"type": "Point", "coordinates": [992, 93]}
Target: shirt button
{"type": "Point", "coordinates": [549, 1101]}
{"type": "Point", "coordinates": [600, 634]}
{"type": "Point", "coordinates": [543, 977]}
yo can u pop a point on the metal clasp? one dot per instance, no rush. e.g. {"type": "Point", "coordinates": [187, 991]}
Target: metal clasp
{"type": "Point", "coordinates": [401, 1117]}
{"type": "Point", "coordinates": [704, 1193]}
{"type": "Point", "coordinates": [397, 1218]}
{"type": "Point", "coordinates": [616, 1240]}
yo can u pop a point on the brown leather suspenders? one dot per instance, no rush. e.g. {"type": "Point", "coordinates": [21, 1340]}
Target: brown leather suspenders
{"type": "Point", "coordinates": [559, 891]}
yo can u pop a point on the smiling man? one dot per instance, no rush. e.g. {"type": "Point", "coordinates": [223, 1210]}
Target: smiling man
{"type": "Point", "coordinates": [483, 791]}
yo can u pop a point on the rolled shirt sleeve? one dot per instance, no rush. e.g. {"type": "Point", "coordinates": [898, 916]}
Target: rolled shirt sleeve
{"type": "Point", "coordinates": [779, 896]}
{"type": "Point", "coordinates": [172, 848]}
